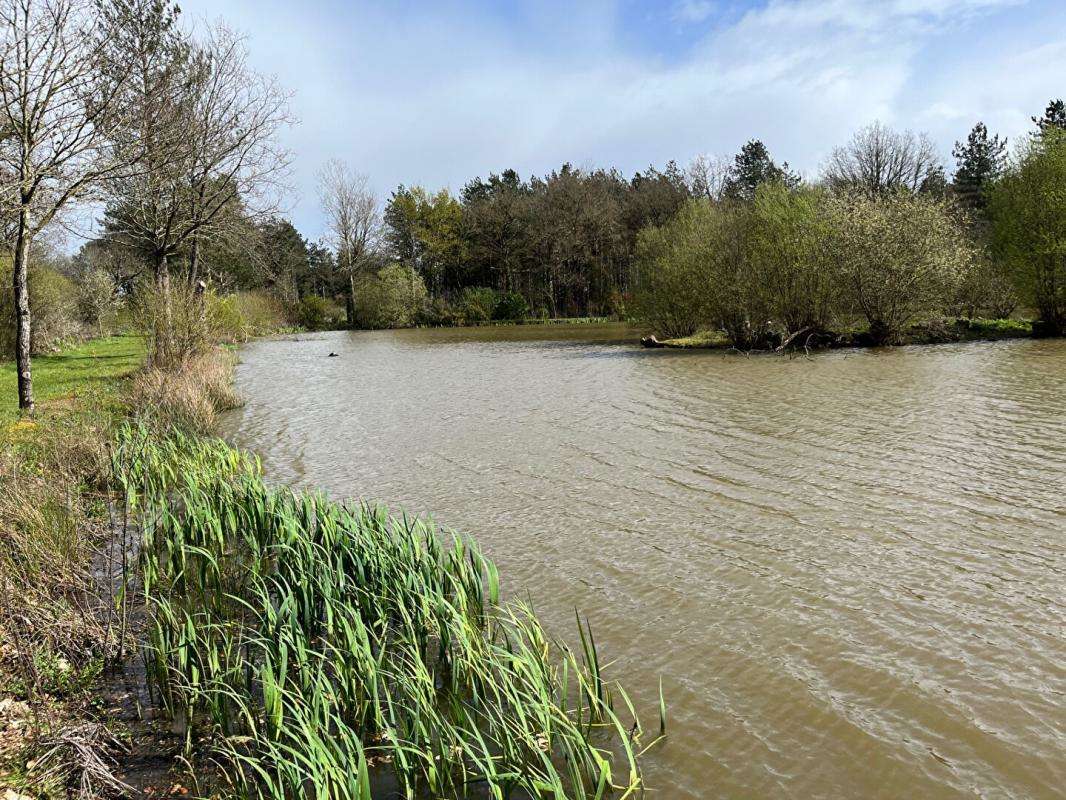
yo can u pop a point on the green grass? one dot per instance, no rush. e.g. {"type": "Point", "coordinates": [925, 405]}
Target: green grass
{"type": "Point", "coordinates": [94, 368]}
{"type": "Point", "coordinates": [1006, 328]}
{"type": "Point", "coordinates": [701, 339]}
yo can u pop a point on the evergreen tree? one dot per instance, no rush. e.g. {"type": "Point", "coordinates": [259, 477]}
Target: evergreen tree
{"type": "Point", "coordinates": [1054, 116]}
{"type": "Point", "coordinates": [753, 167]}
{"type": "Point", "coordinates": [321, 271]}
{"type": "Point", "coordinates": [401, 223]}
{"type": "Point", "coordinates": [935, 183]}
{"type": "Point", "coordinates": [980, 160]}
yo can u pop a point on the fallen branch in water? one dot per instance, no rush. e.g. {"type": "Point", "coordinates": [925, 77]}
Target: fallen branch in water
{"type": "Point", "coordinates": [788, 342]}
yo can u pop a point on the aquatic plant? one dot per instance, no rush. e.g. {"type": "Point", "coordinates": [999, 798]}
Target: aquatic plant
{"type": "Point", "coordinates": [314, 645]}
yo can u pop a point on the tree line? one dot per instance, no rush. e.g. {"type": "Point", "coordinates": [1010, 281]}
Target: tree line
{"type": "Point", "coordinates": [581, 241]}
{"type": "Point", "coordinates": [882, 241]}
{"type": "Point", "coordinates": [118, 104]}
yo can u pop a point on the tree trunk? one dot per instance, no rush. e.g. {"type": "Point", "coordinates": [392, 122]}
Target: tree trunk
{"type": "Point", "coordinates": [194, 262]}
{"type": "Point", "coordinates": [164, 318]}
{"type": "Point", "coordinates": [350, 305]}
{"type": "Point", "coordinates": [20, 285]}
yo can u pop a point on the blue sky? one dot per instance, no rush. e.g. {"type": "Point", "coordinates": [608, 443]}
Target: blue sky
{"type": "Point", "coordinates": [438, 92]}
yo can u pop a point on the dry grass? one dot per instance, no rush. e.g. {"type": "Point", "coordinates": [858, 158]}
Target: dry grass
{"type": "Point", "coordinates": [54, 629]}
{"type": "Point", "coordinates": [189, 397]}
{"type": "Point", "coordinates": [58, 619]}
{"type": "Point", "coordinates": [50, 477]}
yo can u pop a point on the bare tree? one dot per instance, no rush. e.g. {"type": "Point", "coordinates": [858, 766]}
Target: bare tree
{"type": "Point", "coordinates": [59, 107]}
{"type": "Point", "coordinates": [236, 158]}
{"type": "Point", "coordinates": [879, 159]}
{"type": "Point", "coordinates": [209, 124]}
{"type": "Point", "coordinates": [707, 176]}
{"type": "Point", "coordinates": [354, 219]}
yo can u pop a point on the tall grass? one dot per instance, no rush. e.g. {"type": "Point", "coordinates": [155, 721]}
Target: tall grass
{"type": "Point", "coordinates": [189, 396]}
{"type": "Point", "coordinates": [310, 645]}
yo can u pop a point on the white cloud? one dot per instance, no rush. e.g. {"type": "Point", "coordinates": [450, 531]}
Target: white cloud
{"type": "Point", "coordinates": [445, 94]}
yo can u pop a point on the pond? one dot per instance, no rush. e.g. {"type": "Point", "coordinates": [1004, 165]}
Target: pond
{"type": "Point", "coordinates": [849, 569]}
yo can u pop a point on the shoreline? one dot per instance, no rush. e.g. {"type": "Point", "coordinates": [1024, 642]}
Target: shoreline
{"type": "Point", "coordinates": [148, 724]}
{"type": "Point", "coordinates": [956, 331]}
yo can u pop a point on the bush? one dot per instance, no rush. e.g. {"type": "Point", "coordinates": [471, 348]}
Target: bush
{"type": "Point", "coordinates": [983, 288]}
{"type": "Point", "coordinates": [393, 298]}
{"type": "Point", "coordinates": [896, 256]}
{"type": "Point", "coordinates": [511, 305]}
{"type": "Point", "coordinates": [438, 312]}
{"type": "Point", "coordinates": [673, 291]}
{"type": "Point", "coordinates": [794, 259]}
{"type": "Point", "coordinates": [229, 325]}
{"type": "Point", "coordinates": [695, 272]}
{"type": "Point", "coordinates": [260, 313]}
{"type": "Point", "coordinates": [53, 306]}
{"type": "Point", "coordinates": [97, 299]}
{"type": "Point", "coordinates": [476, 304]}
{"type": "Point", "coordinates": [315, 313]}
{"type": "Point", "coordinates": [187, 324]}
{"type": "Point", "coordinates": [789, 234]}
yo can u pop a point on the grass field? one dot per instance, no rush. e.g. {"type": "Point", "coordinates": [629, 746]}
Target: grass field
{"type": "Point", "coordinates": [92, 369]}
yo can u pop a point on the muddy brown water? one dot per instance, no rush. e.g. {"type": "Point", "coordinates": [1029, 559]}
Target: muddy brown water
{"type": "Point", "coordinates": [850, 571]}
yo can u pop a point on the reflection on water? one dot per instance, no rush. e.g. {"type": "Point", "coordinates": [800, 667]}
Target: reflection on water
{"type": "Point", "coordinates": [849, 570]}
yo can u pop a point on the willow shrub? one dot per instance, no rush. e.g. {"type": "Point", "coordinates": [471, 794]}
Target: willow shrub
{"type": "Point", "coordinates": [896, 257]}
{"type": "Point", "coordinates": [305, 641]}
{"type": "Point", "coordinates": [795, 259]}
{"type": "Point", "coordinates": [755, 270]}
{"type": "Point", "coordinates": [985, 288]}
{"type": "Point", "coordinates": [787, 259]}
{"type": "Point", "coordinates": [682, 267]}
{"type": "Point", "coordinates": [392, 298]}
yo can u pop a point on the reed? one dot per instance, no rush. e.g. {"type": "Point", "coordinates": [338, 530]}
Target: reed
{"type": "Point", "coordinates": [311, 646]}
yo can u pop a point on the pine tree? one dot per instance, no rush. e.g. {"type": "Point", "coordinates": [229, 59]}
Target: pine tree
{"type": "Point", "coordinates": [1054, 116]}
{"type": "Point", "coordinates": [981, 159]}
{"type": "Point", "coordinates": [753, 167]}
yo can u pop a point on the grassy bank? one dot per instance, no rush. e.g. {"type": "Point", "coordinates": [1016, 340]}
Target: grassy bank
{"type": "Point", "coordinates": [83, 375]}
{"type": "Point", "coordinates": [303, 647]}
{"type": "Point", "coordinates": [55, 632]}
{"type": "Point", "coordinates": [62, 614]}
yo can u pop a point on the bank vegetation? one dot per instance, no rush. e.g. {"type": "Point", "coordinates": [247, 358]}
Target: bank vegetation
{"type": "Point", "coordinates": [301, 646]}
{"type": "Point", "coordinates": [869, 258]}
{"type": "Point", "coordinates": [305, 647]}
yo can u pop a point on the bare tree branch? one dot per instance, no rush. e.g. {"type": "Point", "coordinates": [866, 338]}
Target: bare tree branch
{"type": "Point", "coordinates": [353, 215]}
{"type": "Point", "coordinates": [879, 159]}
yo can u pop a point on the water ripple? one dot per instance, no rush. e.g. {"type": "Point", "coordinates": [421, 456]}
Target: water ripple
{"type": "Point", "coordinates": [850, 570]}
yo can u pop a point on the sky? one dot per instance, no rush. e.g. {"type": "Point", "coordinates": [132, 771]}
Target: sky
{"type": "Point", "coordinates": [436, 93]}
